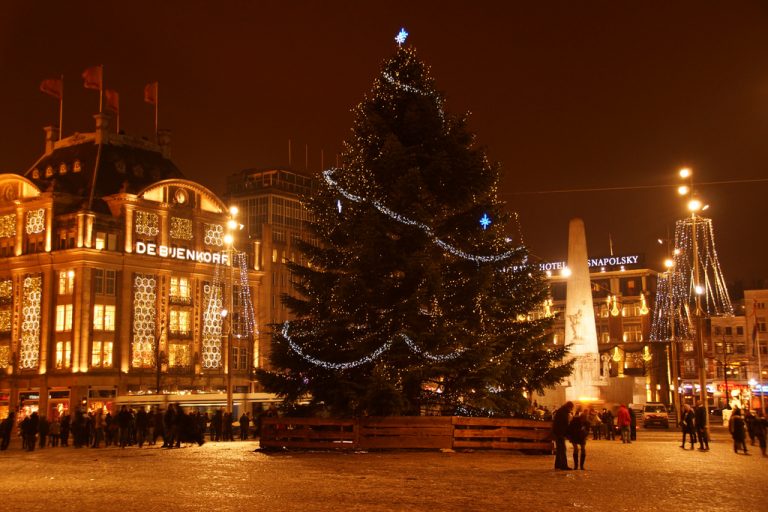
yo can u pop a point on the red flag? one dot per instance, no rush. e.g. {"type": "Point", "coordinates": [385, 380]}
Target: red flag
{"type": "Point", "coordinates": [53, 87]}
{"type": "Point", "coordinates": [113, 100]}
{"type": "Point", "coordinates": [150, 93]}
{"type": "Point", "coordinates": [92, 77]}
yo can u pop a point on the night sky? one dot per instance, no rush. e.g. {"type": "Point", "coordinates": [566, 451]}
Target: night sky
{"type": "Point", "coordinates": [566, 95]}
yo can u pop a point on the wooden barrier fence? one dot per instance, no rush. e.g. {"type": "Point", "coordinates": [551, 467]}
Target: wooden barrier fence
{"type": "Point", "coordinates": [406, 432]}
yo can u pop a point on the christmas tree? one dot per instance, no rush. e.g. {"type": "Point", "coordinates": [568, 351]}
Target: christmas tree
{"type": "Point", "coordinates": [413, 298]}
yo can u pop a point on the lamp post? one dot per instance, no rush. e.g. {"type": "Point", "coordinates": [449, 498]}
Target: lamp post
{"type": "Point", "coordinates": [669, 263]}
{"type": "Point", "coordinates": [228, 312]}
{"type": "Point", "coordinates": [695, 205]}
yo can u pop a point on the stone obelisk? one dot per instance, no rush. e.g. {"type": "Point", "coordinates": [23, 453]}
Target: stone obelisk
{"type": "Point", "coordinates": [580, 332]}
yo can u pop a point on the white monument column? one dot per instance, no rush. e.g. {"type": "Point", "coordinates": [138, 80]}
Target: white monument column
{"type": "Point", "coordinates": [580, 331]}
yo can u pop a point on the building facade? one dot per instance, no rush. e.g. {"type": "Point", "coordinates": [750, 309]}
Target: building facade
{"type": "Point", "coordinates": [274, 217]}
{"type": "Point", "coordinates": [622, 294]}
{"type": "Point", "coordinates": [115, 281]}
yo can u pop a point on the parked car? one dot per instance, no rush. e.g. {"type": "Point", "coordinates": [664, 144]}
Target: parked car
{"type": "Point", "coordinates": [655, 414]}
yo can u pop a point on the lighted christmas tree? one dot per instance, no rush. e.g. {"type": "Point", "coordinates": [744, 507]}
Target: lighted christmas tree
{"type": "Point", "coordinates": [414, 297]}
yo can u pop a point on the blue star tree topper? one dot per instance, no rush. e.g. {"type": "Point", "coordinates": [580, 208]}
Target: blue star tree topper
{"type": "Point", "coordinates": [400, 37]}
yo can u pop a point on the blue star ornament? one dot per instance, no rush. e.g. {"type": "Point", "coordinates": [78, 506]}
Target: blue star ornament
{"type": "Point", "coordinates": [400, 38]}
{"type": "Point", "coordinates": [485, 221]}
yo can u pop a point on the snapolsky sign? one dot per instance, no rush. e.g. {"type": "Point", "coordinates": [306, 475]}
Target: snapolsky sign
{"type": "Point", "coordinates": [604, 262]}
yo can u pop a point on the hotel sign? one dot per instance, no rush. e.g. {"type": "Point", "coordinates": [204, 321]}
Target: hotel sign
{"type": "Point", "coordinates": [180, 253]}
{"type": "Point", "coordinates": [600, 263]}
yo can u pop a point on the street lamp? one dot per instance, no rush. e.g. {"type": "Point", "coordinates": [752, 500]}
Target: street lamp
{"type": "Point", "coordinates": [669, 263]}
{"type": "Point", "coordinates": [695, 205]}
{"type": "Point", "coordinates": [227, 313]}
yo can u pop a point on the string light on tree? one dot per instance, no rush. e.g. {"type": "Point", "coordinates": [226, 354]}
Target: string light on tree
{"type": "Point", "coordinates": [485, 221]}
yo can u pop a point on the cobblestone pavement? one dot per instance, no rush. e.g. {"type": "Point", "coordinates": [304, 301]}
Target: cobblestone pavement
{"type": "Point", "coordinates": [650, 474]}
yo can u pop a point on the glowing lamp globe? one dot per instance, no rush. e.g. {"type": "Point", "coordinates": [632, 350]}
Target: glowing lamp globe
{"type": "Point", "coordinates": [694, 205]}
{"type": "Point", "coordinates": [685, 172]}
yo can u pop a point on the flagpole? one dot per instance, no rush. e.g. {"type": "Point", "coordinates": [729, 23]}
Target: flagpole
{"type": "Point", "coordinates": [101, 90]}
{"type": "Point", "coordinates": [157, 105]}
{"type": "Point", "coordinates": [61, 108]}
{"type": "Point", "coordinates": [759, 358]}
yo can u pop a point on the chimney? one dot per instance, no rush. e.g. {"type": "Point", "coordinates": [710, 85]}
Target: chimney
{"type": "Point", "coordinates": [102, 125]}
{"type": "Point", "coordinates": [164, 141]}
{"type": "Point", "coordinates": [51, 136]}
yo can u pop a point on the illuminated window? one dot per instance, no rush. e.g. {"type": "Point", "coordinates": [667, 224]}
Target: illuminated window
{"type": "Point", "coordinates": [179, 322]}
{"type": "Point", "coordinates": [103, 317]}
{"type": "Point", "coordinates": [101, 241]}
{"type": "Point", "coordinates": [179, 355]}
{"type": "Point", "coordinates": [64, 317]}
{"type": "Point", "coordinates": [104, 281]}
{"type": "Point", "coordinates": [101, 354]}
{"type": "Point", "coordinates": [180, 287]}
{"type": "Point", "coordinates": [66, 282]}
{"type": "Point", "coordinates": [633, 332]}
{"type": "Point", "coordinates": [63, 354]}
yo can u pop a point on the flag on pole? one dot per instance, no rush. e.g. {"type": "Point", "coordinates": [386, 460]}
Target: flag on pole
{"type": "Point", "coordinates": [92, 77]}
{"type": "Point", "coordinates": [150, 93]}
{"type": "Point", "coordinates": [113, 100]}
{"type": "Point", "coordinates": [53, 87]}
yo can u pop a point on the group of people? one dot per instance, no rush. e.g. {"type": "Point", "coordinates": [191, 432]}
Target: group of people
{"type": "Point", "coordinates": [127, 427]}
{"type": "Point", "coordinates": [575, 426]}
{"type": "Point", "coordinates": [748, 424]}
{"type": "Point", "coordinates": [693, 423]}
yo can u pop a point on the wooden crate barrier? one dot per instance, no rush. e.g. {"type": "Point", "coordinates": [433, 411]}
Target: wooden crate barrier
{"type": "Point", "coordinates": [406, 432]}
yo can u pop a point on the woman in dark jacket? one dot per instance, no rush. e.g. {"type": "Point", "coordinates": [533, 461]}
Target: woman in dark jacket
{"type": "Point", "coordinates": [560, 423]}
{"type": "Point", "coordinates": [688, 422]}
{"type": "Point", "coordinates": [737, 428]}
{"type": "Point", "coordinates": [578, 431]}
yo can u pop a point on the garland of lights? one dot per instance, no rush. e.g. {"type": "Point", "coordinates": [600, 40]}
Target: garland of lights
{"type": "Point", "coordinates": [677, 291]}
{"type": "Point", "coordinates": [327, 175]}
{"type": "Point", "coordinates": [370, 357]}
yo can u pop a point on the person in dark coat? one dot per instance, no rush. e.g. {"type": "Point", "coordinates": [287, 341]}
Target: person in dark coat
{"type": "Point", "coordinates": [578, 432]}
{"type": "Point", "coordinates": [29, 430]}
{"type": "Point", "coordinates": [760, 427]}
{"type": "Point", "coordinates": [700, 418]}
{"type": "Point", "coordinates": [737, 428]}
{"type": "Point", "coordinates": [6, 429]}
{"type": "Point", "coordinates": [142, 426]}
{"type": "Point", "coordinates": [632, 424]}
{"type": "Point", "coordinates": [245, 422]}
{"type": "Point", "coordinates": [560, 423]}
{"type": "Point", "coordinates": [42, 428]}
{"type": "Point", "coordinates": [124, 423]}
{"type": "Point", "coordinates": [688, 424]}
{"type": "Point", "coordinates": [65, 422]}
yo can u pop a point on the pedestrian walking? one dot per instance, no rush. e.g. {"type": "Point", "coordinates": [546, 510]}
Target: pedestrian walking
{"type": "Point", "coordinates": [560, 423]}
{"type": "Point", "coordinates": [738, 430]}
{"type": "Point", "coordinates": [700, 419]}
{"type": "Point", "coordinates": [749, 421]}
{"type": "Point", "coordinates": [6, 429]}
{"type": "Point", "coordinates": [578, 432]}
{"type": "Point", "coordinates": [761, 430]}
{"type": "Point", "coordinates": [624, 421]}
